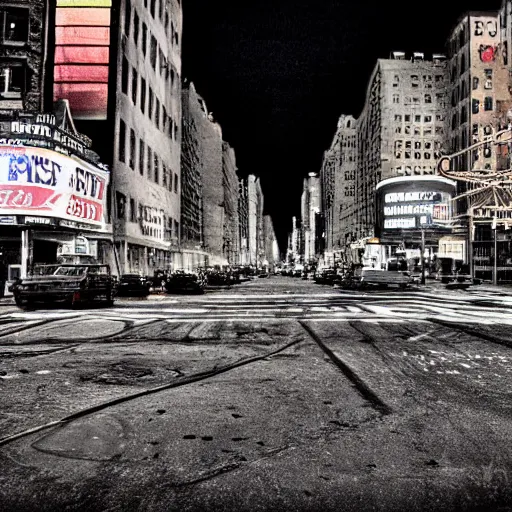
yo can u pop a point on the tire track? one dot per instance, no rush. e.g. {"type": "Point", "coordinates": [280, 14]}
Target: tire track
{"type": "Point", "coordinates": [368, 394]}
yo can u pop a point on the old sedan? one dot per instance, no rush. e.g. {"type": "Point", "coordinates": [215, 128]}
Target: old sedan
{"type": "Point", "coordinates": [68, 284]}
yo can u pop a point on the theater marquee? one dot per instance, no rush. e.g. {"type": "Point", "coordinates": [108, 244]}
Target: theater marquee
{"type": "Point", "coordinates": [43, 183]}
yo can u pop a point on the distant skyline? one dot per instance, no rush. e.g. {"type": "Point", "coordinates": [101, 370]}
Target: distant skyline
{"type": "Point", "coordinates": [277, 75]}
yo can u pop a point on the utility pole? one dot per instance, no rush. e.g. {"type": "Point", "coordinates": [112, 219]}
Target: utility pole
{"type": "Point", "coordinates": [422, 255]}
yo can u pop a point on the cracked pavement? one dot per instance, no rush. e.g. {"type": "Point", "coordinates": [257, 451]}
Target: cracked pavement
{"type": "Point", "coordinates": [277, 395]}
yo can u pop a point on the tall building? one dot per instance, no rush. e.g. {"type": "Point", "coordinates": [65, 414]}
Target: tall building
{"type": "Point", "coordinates": [192, 242]}
{"type": "Point", "coordinates": [401, 129]}
{"type": "Point", "coordinates": [310, 223]}
{"type": "Point", "coordinates": [480, 104]}
{"type": "Point", "coordinates": [243, 222]}
{"type": "Point", "coordinates": [271, 256]}
{"type": "Point", "coordinates": [337, 183]}
{"type": "Point", "coordinates": [231, 241]}
{"type": "Point", "coordinates": [255, 215]}
{"type": "Point", "coordinates": [119, 64]}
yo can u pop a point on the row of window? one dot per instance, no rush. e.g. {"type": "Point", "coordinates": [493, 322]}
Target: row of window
{"type": "Point", "coordinates": [417, 170]}
{"type": "Point", "coordinates": [417, 131]}
{"type": "Point", "coordinates": [416, 78]}
{"type": "Point", "coordinates": [157, 9]}
{"type": "Point", "coordinates": [418, 118]}
{"type": "Point", "coordinates": [417, 144]}
{"type": "Point", "coordinates": [418, 155]}
{"type": "Point", "coordinates": [139, 90]}
{"type": "Point", "coordinates": [147, 159]}
{"type": "Point", "coordinates": [416, 100]}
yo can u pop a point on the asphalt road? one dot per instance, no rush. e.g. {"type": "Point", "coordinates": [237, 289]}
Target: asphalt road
{"type": "Point", "coordinates": [276, 394]}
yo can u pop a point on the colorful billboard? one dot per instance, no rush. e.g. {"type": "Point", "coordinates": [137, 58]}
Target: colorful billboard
{"type": "Point", "coordinates": [82, 39]}
{"type": "Point", "coordinates": [37, 181]}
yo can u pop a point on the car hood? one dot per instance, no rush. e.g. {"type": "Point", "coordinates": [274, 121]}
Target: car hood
{"type": "Point", "coordinates": [50, 279]}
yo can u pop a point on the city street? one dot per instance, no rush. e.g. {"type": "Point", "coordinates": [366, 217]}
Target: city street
{"type": "Point", "coordinates": [275, 394]}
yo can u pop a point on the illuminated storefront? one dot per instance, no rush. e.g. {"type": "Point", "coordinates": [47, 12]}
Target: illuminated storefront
{"type": "Point", "coordinates": [410, 206]}
{"type": "Point", "coordinates": [53, 192]}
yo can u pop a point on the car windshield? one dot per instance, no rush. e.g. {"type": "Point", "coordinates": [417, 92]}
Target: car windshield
{"type": "Point", "coordinates": [70, 271]}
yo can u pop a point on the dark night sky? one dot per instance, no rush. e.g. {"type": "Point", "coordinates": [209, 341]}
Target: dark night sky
{"type": "Point", "coordinates": [277, 74]}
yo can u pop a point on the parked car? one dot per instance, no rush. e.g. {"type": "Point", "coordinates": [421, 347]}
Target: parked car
{"type": "Point", "coordinates": [69, 284]}
{"type": "Point", "coordinates": [181, 281]}
{"type": "Point", "coordinates": [133, 285]}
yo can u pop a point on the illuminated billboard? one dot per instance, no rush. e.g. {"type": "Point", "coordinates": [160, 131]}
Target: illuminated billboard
{"type": "Point", "coordinates": [37, 181]}
{"type": "Point", "coordinates": [82, 38]}
{"type": "Point", "coordinates": [414, 202]}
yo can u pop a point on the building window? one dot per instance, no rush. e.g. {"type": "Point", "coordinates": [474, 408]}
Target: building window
{"type": "Point", "coordinates": [142, 95]}
{"type": "Point", "coordinates": [13, 25]}
{"type": "Point", "coordinates": [133, 145]}
{"type": "Point", "coordinates": [175, 131]}
{"type": "Point", "coordinates": [170, 180]}
{"type": "Point", "coordinates": [13, 80]}
{"type": "Point", "coordinates": [156, 169]}
{"type": "Point", "coordinates": [417, 155]}
{"type": "Point", "coordinates": [150, 104]}
{"type": "Point", "coordinates": [396, 98]}
{"type": "Point", "coordinates": [398, 118]}
{"type": "Point", "coordinates": [141, 157]}
{"type": "Point", "coordinates": [488, 103]}
{"type": "Point", "coordinates": [136, 23]}
{"type": "Point", "coordinates": [153, 52]}
{"type": "Point", "coordinates": [122, 141]}
{"type": "Point", "coordinates": [133, 210]}
{"type": "Point", "coordinates": [427, 155]}
{"type": "Point", "coordinates": [161, 9]}
{"type": "Point", "coordinates": [157, 113]}
{"type": "Point", "coordinates": [475, 83]}
{"type": "Point", "coordinates": [150, 163]}
{"type": "Point", "coordinates": [125, 69]}
{"type": "Point", "coordinates": [127, 16]}
{"type": "Point", "coordinates": [121, 205]}
{"type": "Point", "coordinates": [135, 79]}
{"type": "Point", "coordinates": [152, 8]}
{"type": "Point", "coordinates": [144, 39]}
{"type": "Point", "coordinates": [427, 119]}
{"type": "Point", "coordinates": [417, 119]}
{"type": "Point", "coordinates": [475, 106]}
{"type": "Point", "coordinates": [164, 175]}
{"type": "Point", "coordinates": [176, 183]}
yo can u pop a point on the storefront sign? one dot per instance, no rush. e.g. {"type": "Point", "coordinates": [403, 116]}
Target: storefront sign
{"type": "Point", "coordinates": [46, 183]}
{"type": "Point", "coordinates": [399, 197]}
{"type": "Point", "coordinates": [400, 223]}
{"type": "Point", "coordinates": [39, 220]}
{"type": "Point", "coordinates": [30, 132]}
{"type": "Point", "coordinates": [7, 219]}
